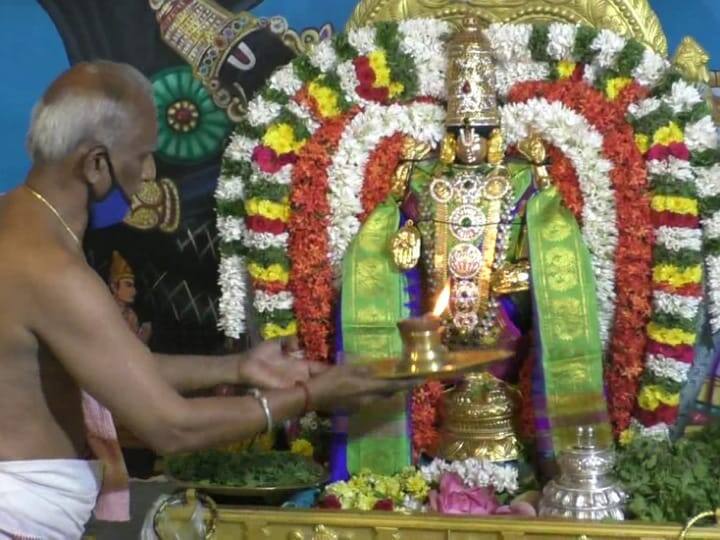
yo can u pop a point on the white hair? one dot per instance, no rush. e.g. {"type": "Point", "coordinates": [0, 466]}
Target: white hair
{"type": "Point", "coordinates": [60, 125]}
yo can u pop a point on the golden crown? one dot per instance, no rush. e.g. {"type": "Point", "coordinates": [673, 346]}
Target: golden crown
{"type": "Point", "coordinates": [471, 79]}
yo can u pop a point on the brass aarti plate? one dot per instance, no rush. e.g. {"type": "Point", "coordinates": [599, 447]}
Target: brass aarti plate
{"type": "Point", "coordinates": [449, 366]}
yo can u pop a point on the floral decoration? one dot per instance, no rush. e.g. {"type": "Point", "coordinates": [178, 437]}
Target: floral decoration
{"type": "Point", "coordinates": [633, 152]}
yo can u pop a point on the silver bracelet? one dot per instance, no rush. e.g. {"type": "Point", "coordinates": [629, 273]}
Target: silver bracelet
{"type": "Point", "coordinates": [262, 400]}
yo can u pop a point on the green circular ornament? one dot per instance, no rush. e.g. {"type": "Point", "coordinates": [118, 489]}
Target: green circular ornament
{"type": "Point", "coordinates": [191, 128]}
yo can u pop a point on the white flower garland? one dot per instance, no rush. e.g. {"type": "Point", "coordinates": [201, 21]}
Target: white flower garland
{"type": "Point", "coordinates": [668, 368]}
{"type": "Point", "coordinates": [474, 473]}
{"type": "Point", "coordinates": [583, 145]}
{"type": "Point", "coordinates": [422, 121]}
{"type": "Point", "coordinates": [677, 238]}
{"type": "Point", "coordinates": [233, 288]}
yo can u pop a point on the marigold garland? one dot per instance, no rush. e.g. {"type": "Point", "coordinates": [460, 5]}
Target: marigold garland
{"type": "Point", "coordinates": [425, 415]}
{"type": "Point", "coordinates": [378, 172]}
{"type": "Point", "coordinates": [311, 280]}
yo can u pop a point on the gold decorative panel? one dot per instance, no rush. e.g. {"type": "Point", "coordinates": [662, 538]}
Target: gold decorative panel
{"type": "Point", "coordinates": [238, 523]}
{"type": "Point", "coordinates": [629, 17]}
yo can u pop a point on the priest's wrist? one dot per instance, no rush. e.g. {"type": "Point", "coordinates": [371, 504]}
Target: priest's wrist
{"type": "Point", "coordinates": [307, 396]}
{"type": "Point", "coordinates": [236, 374]}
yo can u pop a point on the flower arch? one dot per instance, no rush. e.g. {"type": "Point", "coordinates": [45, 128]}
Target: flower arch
{"type": "Point", "coordinates": [634, 155]}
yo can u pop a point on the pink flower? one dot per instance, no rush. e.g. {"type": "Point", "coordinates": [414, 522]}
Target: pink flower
{"type": "Point", "coordinates": [454, 498]}
{"type": "Point", "coordinates": [658, 152]}
{"type": "Point", "coordinates": [680, 151]}
{"type": "Point", "coordinates": [269, 161]}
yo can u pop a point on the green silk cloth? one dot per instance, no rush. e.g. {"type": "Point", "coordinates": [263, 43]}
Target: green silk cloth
{"type": "Point", "coordinates": [565, 298]}
{"type": "Point", "coordinates": [374, 299]}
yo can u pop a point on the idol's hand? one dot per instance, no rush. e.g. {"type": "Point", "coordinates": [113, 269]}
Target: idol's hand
{"type": "Point", "coordinates": [275, 364]}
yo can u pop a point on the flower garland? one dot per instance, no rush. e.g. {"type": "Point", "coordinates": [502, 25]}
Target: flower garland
{"type": "Point", "coordinates": [633, 255]}
{"type": "Point", "coordinates": [474, 473]}
{"type": "Point", "coordinates": [671, 133]}
{"type": "Point", "coordinates": [312, 277]}
{"type": "Point", "coordinates": [385, 157]}
{"type": "Point", "coordinates": [405, 491]}
{"type": "Point", "coordinates": [348, 171]}
{"type": "Point", "coordinates": [425, 415]}
{"type": "Point", "coordinates": [583, 145]}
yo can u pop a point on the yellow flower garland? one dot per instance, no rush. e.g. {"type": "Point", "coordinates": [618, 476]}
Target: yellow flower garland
{"type": "Point", "coordinates": [670, 336]}
{"type": "Point", "coordinates": [652, 396]}
{"type": "Point", "coordinates": [378, 63]}
{"type": "Point", "coordinates": [677, 276]}
{"type": "Point", "coordinates": [327, 99]}
{"type": "Point", "coordinates": [268, 209]}
{"type": "Point", "coordinates": [272, 330]}
{"type": "Point", "coordinates": [281, 138]}
{"type": "Point", "coordinates": [676, 204]}
{"type": "Point", "coordinates": [669, 134]}
{"type": "Point", "coordinates": [272, 273]}
{"type": "Point", "coordinates": [614, 86]}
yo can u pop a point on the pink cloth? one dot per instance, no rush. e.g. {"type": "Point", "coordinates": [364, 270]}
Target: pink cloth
{"type": "Point", "coordinates": [113, 503]}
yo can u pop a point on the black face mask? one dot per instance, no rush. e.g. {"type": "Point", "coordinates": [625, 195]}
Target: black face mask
{"type": "Point", "coordinates": [113, 207]}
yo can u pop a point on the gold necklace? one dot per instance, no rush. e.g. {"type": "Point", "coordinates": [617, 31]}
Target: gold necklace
{"type": "Point", "coordinates": [54, 211]}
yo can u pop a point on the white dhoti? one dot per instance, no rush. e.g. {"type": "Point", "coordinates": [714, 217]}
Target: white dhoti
{"type": "Point", "coordinates": [48, 499]}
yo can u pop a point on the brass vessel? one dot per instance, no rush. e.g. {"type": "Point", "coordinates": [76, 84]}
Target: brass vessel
{"type": "Point", "coordinates": [479, 421]}
{"type": "Point", "coordinates": [423, 350]}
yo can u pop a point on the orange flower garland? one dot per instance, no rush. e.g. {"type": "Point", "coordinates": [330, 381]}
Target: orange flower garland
{"type": "Point", "coordinates": [311, 277]}
{"type": "Point", "coordinates": [379, 170]}
{"type": "Point", "coordinates": [634, 252]}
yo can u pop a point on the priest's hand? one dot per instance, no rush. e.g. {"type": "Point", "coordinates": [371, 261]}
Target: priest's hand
{"type": "Point", "coordinates": [276, 364]}
{"type": "Point", "coordinates": [346, 388]}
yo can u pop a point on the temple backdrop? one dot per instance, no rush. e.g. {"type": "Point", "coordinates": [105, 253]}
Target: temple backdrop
{"type": "Point", "coordinates": [170, 246]}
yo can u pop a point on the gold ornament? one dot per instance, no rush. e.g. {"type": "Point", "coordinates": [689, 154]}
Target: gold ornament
{"type": "Point", "coordinates": [472, 101]}
{"type": "Point", "coordinates": [691, 60]}
{"type": "Point", "coordinates": [415, 150]}
{"type": "Point", "coordinates": [448, 149]}
{"type": "Point", "coordinates": [511, 278]}
{"type": "Point", "coordinates": [479, 421]}
{"type": "Point", "coordinates": [496, 148]}
{"type": "Point", "coordinates": [405, 246]}
{"type": "Point", "coordinates": [533, 149]}
{"type": "Point", "coordinates": [631, 18]}
{"type": "Point", "coordinates": [400, 180]}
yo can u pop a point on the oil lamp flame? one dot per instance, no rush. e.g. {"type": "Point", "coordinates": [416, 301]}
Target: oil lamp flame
{"type": "Point", "coordinates": [442, 302]}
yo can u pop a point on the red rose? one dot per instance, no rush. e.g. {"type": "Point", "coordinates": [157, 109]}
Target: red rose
{"type": "Point", "coordinates": [330, 502]}
{"type": "Point", "coordinates": [385, 504]}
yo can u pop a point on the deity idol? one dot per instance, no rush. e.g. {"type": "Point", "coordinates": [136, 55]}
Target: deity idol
{"type": "Point", "coordinates": [487, 223]}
